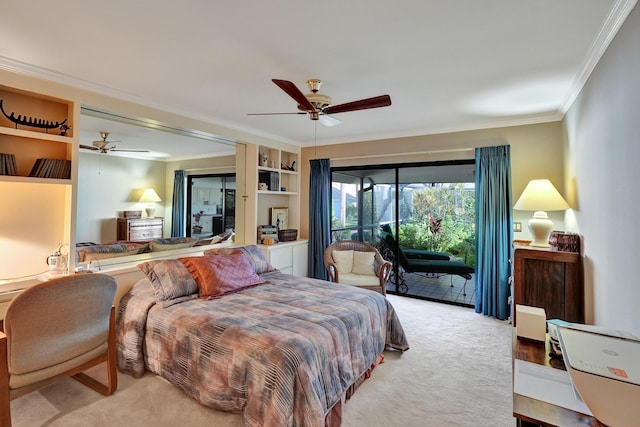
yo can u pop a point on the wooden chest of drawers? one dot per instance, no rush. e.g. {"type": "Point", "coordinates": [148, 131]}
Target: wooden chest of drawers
{"type": "Point", "coordinates": [134, 230]}
{"type": "Point", "coordinates": [549, 279]}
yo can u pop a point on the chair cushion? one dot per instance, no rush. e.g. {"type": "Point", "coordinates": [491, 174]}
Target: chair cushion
{"type": "Point", "coordinates": [363, 263]}
{"type": "Point", "coordinates": [439, 266]}
{"type": "Point", "coordinates": [343, 260]}
{"type": "Point", "coordinates": [425, 254]}
{"type": "Point", "coordinates": [359, 279]}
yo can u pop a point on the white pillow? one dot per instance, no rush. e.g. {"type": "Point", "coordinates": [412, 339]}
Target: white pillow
{"type": "Point", "coordinates": [343, 260]}
{"type": "Point", "coordinates": [363, 263]}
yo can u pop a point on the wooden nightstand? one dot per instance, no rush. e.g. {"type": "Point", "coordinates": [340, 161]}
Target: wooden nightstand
{"type": "Point", "coordinates": [135, 230]}
{"type": "Point", "coordinates": [549, 279]}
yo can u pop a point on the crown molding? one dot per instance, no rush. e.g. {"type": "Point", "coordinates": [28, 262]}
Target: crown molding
{"type": "Point", "coordinates": [618, 14]}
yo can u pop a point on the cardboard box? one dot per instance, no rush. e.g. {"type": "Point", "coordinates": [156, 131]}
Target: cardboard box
{"type": "Point", "coordinates": [532, 322]}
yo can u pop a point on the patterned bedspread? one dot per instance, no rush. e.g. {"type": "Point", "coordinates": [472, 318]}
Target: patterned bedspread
{"type": "Point", "coordinates": [283, 353]}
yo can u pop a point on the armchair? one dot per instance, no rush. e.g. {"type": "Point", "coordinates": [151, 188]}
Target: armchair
{"type": "Point", "coordinates": [55, 329]}
{"type": "Point", "coordinates": [357, 263]}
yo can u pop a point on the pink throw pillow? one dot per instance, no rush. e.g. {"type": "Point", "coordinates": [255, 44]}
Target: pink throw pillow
{"type": "Point", "coordinates": [221, 274]}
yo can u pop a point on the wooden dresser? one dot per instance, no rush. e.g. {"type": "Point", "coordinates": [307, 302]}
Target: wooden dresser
{"type": "Point", "coordinates": [550, 279]}
{"type": "Point", "coordinates": [135, 230]}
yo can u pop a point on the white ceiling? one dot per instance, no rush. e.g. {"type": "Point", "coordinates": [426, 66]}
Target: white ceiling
{"type": "Point", "coordinates": [448, 65]}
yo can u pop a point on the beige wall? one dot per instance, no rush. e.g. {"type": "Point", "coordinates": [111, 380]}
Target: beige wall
{"type": "Point", "coordinates": [108, 185]}
{"type": "Point", "coordinates": [602, 176]}
{"type": "Point", "coordinates": [536, 152]}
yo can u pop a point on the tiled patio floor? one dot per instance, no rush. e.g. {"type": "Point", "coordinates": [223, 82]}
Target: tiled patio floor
{"type": "Point", "coordinates": [438, 288]}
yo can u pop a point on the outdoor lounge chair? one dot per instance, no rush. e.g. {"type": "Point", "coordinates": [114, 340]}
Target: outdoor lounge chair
{"type": "Point", "coordinates": [416, 253]}
{"type": "Point", "coordinates": [423, 265]}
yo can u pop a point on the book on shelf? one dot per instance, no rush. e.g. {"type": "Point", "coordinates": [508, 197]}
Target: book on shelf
{"type": "Point", "coordinates": [51, 168]}
{"type": "Point", "coordinates": [8, 164]}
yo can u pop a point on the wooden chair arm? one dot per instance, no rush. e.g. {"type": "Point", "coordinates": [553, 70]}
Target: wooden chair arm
{"type": "Point", "coordinates": [5, 399]}
{"type": "Point", "coordinates": [384, 272]}
{"type": "Point", "coordinates": [332, 268]}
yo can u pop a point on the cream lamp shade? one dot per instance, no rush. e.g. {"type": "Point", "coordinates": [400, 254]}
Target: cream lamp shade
{"type": "Point", "coordinates": [540, 196]}
{"type": "Point", "coordinates": [149, 195]}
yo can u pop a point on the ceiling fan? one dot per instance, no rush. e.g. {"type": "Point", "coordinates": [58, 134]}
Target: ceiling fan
{"type": "Point", "coordinates": [318, 106]}
{"type": "Point", "coordinates": [103, 145]}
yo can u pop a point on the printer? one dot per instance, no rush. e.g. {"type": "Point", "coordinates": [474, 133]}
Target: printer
{"type": "Point", "coordinates": [605, 371]}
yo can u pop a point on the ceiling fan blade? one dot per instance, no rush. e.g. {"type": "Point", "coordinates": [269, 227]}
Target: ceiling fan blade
{"type": "Point", "coordinates": [363, 104]}
{"type": "Point", "coordinates": [130, 151]}
{"type": "Point", "coordinates": [273, 114]}
{"type": "Point", "coordinates": [89, 147]}
{"type": "Point", "coordinates": [293, 91]}
{"type": "Point", "coordinates": [328, 121]}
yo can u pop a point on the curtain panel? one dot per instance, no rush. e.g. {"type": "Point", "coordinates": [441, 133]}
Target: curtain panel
{"type": "Point", "coordinates": [177, 205]}
{"type": "Point", "coordinates": [494, 230]}
{"type": "Point", "coordinates": [319, 216]}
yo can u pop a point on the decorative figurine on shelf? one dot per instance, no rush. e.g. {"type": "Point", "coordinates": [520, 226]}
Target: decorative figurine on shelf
{"type": "Point", "coordinates": [286, 167]}
{"type": "Point", "coordinates": [64, 129]}
{"type": "Point", "coordinates": [31, 121]}
{"type": "Point", "coordinates": [265, 159]}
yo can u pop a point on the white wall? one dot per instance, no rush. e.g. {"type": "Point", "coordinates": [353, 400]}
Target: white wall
{"type": "Point", "coordinates": [602, 175]}
{"type": "Point", "coordinates": [108, 185]}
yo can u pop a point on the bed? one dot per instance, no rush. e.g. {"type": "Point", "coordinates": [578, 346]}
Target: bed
{"type": "Point", "coordinates": [286, 351]}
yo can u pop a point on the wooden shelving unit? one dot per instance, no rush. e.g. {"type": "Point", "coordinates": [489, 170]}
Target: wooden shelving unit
{"type": "Point", "coordinates": [283, 184]}
{"type": "Point", "coordinates": [41, 209]}
{"type": "Point", "coordinates": [30, 143]}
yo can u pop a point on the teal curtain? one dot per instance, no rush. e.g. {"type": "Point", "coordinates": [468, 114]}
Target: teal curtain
{"type": "Point", "coordinates": [177, 206]}
{"type": "Point", "coordinates": [319, 216]}
{"type": "Point", "coordinates": [494, 230]}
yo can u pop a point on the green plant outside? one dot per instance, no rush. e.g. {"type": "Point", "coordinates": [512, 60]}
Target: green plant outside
{"type": "Point", "coordinates": [440, 218]}
{"type": "Point", "coordinates": [455, 207]}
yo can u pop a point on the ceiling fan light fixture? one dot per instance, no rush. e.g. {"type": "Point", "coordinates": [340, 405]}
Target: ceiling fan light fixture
{"type": "Point", "coordinates": [314, 85]}
{"type": "Point", "coordinates": [318, 100]}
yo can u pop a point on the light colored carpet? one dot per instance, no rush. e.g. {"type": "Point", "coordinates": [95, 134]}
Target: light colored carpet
{"type": "Point", "coordinates": [457, 373]}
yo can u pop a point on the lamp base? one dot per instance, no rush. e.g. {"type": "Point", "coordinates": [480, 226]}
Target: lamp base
{"type": "Point", "coordinates": [540, 227]}
{"type": "Point", "coordinates": [150, 212]}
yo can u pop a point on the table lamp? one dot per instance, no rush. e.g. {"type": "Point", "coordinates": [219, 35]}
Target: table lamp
{"type": "Point", "coordinates": [540, 196]}
{"type": "Point", "coordinates": [150, 196]}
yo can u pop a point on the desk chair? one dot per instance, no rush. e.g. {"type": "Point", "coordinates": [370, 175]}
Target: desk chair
{"type": "Point", "coordinates": [55, 329]}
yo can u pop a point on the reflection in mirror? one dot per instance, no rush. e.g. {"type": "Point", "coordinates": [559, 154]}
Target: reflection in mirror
{"type": "Point", "coordinates": [211, 204]}
{"type": "Point", "coordinates": [120, 157]}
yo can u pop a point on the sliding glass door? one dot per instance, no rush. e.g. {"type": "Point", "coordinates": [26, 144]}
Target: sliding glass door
{"type": "Point", "coordinates": [360, 205]}
{"type": "Point", "coordinates": [210, 204]}
{"type": "Point", "coordinates": [426, 206]}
